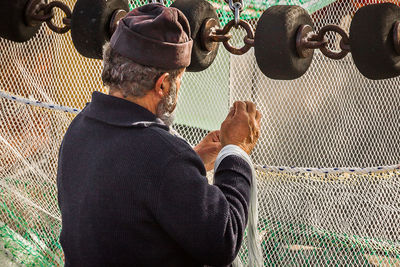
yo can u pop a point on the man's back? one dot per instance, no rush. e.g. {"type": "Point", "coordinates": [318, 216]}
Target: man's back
{"type": "Point", "coordinates": [130, 193]}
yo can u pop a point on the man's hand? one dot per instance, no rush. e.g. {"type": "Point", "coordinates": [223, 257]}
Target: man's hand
{"type": "Point", "coordinates": [208, 149]}
{"type": "Point", "coordinates": [242, 126]}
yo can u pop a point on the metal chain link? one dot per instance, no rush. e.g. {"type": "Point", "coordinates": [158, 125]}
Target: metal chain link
{"type": "Point", "coordinates": [35, 11]}
{"type": "Point", "coordinates": [320, 41]}
{"type": "Point", "coordinates": [248, 39]}
{"type": "Point", "coordinates": [66, 20]}
{"type": "Point", "coordinates": [236, 7]}
{"type": "Point", "coordinates": [41, 11]}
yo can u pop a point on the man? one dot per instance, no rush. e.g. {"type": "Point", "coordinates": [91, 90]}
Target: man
{"type": "Point", "coordinates": [130, 192]}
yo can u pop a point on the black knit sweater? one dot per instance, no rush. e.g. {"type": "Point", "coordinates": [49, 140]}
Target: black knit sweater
{"type": "Point", "coordinates": [132, 194]}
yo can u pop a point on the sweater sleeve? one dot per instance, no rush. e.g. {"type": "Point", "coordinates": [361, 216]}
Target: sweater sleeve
{"type": "Point", "coordinates": [207, 221]}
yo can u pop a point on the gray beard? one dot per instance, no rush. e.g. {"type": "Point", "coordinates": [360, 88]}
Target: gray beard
{"type": "Point", "coordinates": [165, 109]}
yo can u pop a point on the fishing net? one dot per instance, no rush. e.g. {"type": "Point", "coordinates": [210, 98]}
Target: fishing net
{"type": "Point", "coordinates": [326, 162]}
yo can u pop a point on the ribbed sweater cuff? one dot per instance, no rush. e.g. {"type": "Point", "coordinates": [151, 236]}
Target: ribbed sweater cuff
{"type": "Point", "coordinates": [231, 150]}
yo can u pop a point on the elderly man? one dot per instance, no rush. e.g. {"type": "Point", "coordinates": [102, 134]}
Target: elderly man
{"type": "Point", "coordinates": [131, 193]}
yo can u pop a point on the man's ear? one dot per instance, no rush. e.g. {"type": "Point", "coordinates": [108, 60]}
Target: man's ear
{"type": "Point", "coordinates": [162, 86]}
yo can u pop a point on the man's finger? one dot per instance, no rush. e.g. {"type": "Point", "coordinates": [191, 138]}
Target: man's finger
{"type": "Point", "coordinates": [240, 106]}
{"type": "Point", "coordinates": [216, 136]}
{"type": "Point", "coordinates": [231, 112]}
{"type": "Point", "coordinates": [251, 108]}
{"type": "Point", "coordinates": [258, 116]}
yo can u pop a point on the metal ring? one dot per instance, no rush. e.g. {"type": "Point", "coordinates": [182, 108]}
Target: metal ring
{"type": "Point", "coordinates": [313, 42]}
{"type": "Point", "coordinates": [247, 39]}
{"type": "Point", "coordinates": [344, 43]}
{"type": "Point", "coordinates": [68, 15]}
{"type": "Point", "coordinates": [115, 19]}
{"type": "Point", "coordinates": [34, 12]}
{"type": "Point", "coordinates": [41, 17]}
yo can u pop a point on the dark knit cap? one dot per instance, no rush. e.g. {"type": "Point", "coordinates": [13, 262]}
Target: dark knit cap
{"type": "Point", "coordinates": [154, 35]}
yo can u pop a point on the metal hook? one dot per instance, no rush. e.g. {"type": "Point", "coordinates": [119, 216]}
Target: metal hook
{"type": "Point", "coordinates": [157, 2]}
{"type": "Point", "coordinates": [236, 8]}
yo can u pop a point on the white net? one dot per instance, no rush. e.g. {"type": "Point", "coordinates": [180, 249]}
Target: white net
{"type": "Point", "coordinates": [324, 206]}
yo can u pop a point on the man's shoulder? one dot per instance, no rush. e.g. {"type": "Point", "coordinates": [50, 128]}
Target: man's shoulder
{"type": "Point", "coordinates": [150, 137]}
{"type": "Point", "coordinates": [163, 138]}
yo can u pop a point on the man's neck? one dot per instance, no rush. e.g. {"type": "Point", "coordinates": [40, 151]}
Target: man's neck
{"type": "Point", "coordinates": [145, 101]}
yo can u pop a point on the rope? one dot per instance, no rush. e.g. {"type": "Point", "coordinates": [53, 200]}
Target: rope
{"type": "Point", "coordinates": [253, 244]}
{"type": "Point", "coordinates": [37, 103]}
{"type": "Point", "coordinates": [278, 169]}
{"type": "Point", "coordinates": [322, 171]}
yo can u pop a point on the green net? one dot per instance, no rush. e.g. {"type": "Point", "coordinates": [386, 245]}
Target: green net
{"type": "Point", "coordinates": [254, 8]}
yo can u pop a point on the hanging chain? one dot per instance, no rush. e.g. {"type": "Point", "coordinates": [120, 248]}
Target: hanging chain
{"type": "Point", "coordinates": [306, 40]}
{"type": "Point", "coordinates": [310, 40]}
{"type": "Point", "coordinates": [248, 39]}
{"type": "Point", "coordinates": [41, 11]}
{"type": "Point", "coordinates": [211, 35]}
